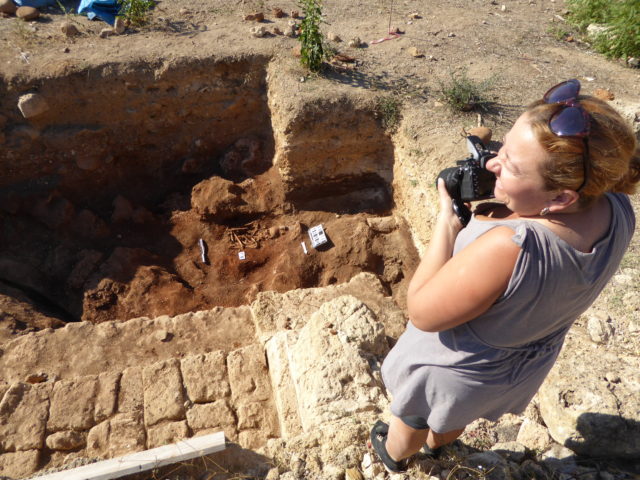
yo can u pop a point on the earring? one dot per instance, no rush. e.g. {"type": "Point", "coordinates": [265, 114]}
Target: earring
{"type": "Point", "coordinates": [544, 211]}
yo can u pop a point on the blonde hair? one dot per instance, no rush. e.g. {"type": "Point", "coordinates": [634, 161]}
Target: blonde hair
{"type": "Point", "coordinates": [614, 154]}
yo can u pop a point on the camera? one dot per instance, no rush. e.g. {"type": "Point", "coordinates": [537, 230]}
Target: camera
{"type": "Point", "coordinates": [469, 180]}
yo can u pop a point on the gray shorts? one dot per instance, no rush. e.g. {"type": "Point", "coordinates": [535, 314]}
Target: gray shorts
{"type": "Point", "coordinates": [416, 422]}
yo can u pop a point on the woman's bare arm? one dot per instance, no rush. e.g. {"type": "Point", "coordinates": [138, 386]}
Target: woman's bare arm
{"type": "Point", "coordinates": [463, 286]}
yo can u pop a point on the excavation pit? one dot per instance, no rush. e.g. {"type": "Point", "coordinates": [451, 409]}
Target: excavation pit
{"type": "Point", "coordinates": [160, 189]}
{"type": "Point", "coordinates": [156, 262]}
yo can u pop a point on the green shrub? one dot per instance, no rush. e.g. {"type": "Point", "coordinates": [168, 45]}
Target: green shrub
{"type": "Point", "coordinates": [136, 11]}
{"type": "Point", "coordinates": [311, 40]}
{"type": "Point", "coordinates": [464, 94]}
{"type": "Point", "coordinates": [388, 111]}
{"type": "Point", "coordinates": [622, 19]}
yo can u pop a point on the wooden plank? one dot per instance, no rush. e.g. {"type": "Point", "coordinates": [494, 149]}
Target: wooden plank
{"type": "Point", "coordinates": [145, 460]}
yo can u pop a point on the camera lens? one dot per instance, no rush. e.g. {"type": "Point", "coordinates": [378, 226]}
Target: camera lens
{"type": "Point", "coordinates": [452, 177]}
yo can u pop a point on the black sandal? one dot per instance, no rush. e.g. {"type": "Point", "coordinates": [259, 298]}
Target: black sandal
{"type": "Point", "coordinates": [378, 442]}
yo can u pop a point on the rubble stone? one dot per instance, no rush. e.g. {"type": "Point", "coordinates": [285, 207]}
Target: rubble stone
{"type": "Point", "coordinates": [32, 104]}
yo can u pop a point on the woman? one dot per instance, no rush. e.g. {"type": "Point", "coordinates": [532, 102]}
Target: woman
{"type": "Point", "coordinates": [489, 305]}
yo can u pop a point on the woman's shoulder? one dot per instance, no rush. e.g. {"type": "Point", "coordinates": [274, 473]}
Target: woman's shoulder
{"type": "Point", "coordinates": [493, 211]}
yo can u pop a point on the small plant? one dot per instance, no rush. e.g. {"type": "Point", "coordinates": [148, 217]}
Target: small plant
{"type": "Point", "coordinates": [388, 111]}
{"type": "Point", "coordinates": [464, 94]}
{"type": "Point", "coordinates": [621, 19]}
{"type": "Point", "coordinates": [136, 11]}
{"type": "Point", "coordinates": [558, 32]}
{"type": "Point", "coordinates": [311, 40]}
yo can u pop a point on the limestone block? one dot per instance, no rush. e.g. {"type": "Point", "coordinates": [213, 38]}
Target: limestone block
{"type": "Point", "coordinates": [284, 391]}
{"type": "Point", "coordinates": [107, 396]}
{"type": "Point", "coordinates": [167, 433]}
{"type": "Point", "coordinates": [587, 412]}
{"type": "Point", "coordinates": [130, 396]}
{"type": "Point", "coordinates": [163, 395]}
{"type": "Point", "coordinates": [213, 415]}
{"type": "Point", "coordinates": [534, 436]}
{"type": "Point", "coordinates": [274, 312]}
{"type": "Point", "coordinates": [205, 377]}
{"type": "Point", "coordinates": [332, 378]}
{"type": "Point", "coordinates": [258, 415]}
{"type": "Point", "coordinates": [67, 440]}
{"type": "Point", "coordinates": [254, 439]}
{"type": "Point", "coordinates": [72, 404]}
{"type": "Point", "coordinates": [122, 434]}
{"type": "Point", "coordinates": [23, 417]}
{"type": "Point", "coordinates": [248, 375]}
{"type": "Point", "coordinates": [32, 105]}
{"type": "Point", "coordinates": [19, 464]}
{"type": "Point", "coordinates": [98, 439]}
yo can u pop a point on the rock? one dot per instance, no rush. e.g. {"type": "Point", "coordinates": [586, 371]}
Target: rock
{"type": "Point", "coordinates": [258, 31]}
{"type": "Point", "coordinates": [69, 29]}
{"type": "Point", "coordinates": [67, 440]}
{"type": "Point", "coordinates": [533, 435]}
{"type": "Point", "coordinates": [513, 451]}
{"type": "Point", "coordinates": [295, 14]}
{"type": "Point", "coordinates": [633, 62]}
{"type": "Point", "coordinates": [559, 458]}
{"type": "Point", "coordinates": [599, 327]}
{"type": "Point", "coordinates": [331, 346]}
{"type": "Point", "coordinates": [277, 31]}
{"type": "Point", "coordinates": [7, 6]}
{"type": "Point", "coordinates": [604, 94]}
{"type": "Point", "coordinates": [205, 377]}
{"type": "Point", "coordinates": [163, 397]}
{"type": "Point", "coordinates": [291, 30]}
{"type": "Point", "coordinates": [27, 13]}
{"type": "Point", "coordinates": [595, 30]}
{"type": "Point", "coordinates": [415, 16]}
{"type": "Point", "coordinates": [355, 42]}
{"type": "Point", "coordinates": [23, 417]}
{"type": "Point", "coordinates": [333, 37]}
{"type": "Point", "coordinates": [415, 52]}
{"type": "Point", "coordinates": [162, 335]}
{"type": "Point", "coordinates": [255, 17]}
{"type": "Point", "coordinates": [167, 433]}
{"type": "Point", "coordinates": [72, 404]}
{"type": "Point", "coordinates": [119, 25]}
{"type": "Point", "coordinates": [586, 412]}
{"type": "Point", "coordinates": [19, 464]}
{"type": "Point", "coordinates": [483, 133]}
{"type": "Point", "coordinates": [277, 12]}
{"type": "Point", "coordinates": [36, 378]}
{"type": "Point", "coordinates": [107, 32]}
{"type": "Point", "coordinates": [32, 104]}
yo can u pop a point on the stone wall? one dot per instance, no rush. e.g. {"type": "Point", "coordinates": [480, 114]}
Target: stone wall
{"type": "Point", "coordinates": [162, 395]}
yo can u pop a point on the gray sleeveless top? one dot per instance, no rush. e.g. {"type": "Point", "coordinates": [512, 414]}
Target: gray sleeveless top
{"type": "Point", "coordinates": [495, 363]}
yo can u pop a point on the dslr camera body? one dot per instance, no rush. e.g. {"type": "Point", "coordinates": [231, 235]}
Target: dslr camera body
{"type": "Point", "coordinates": [469, 180]}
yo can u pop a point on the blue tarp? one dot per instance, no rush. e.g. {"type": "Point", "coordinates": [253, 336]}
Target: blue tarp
{"type": "Point", "coordinates": [34, 3]}
{"type": "Point", "coordinates": [106, 10]}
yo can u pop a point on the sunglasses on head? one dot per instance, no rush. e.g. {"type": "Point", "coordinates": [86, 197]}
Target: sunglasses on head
{"type": "Point", "coordinates": [571, 120]}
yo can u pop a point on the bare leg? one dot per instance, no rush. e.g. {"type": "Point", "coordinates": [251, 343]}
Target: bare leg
{"type": "Point", "coordinates": [403, 441]}
{"type": "Point", "coordinates": [435, 440]}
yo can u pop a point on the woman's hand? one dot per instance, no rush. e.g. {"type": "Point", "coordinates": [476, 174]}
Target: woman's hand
{"type": "Point", "coordinates": [446, 215]}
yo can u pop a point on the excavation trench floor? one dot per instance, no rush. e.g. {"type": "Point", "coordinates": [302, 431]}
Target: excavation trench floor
{"type": "Point", "coordinates": [60, 263]}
